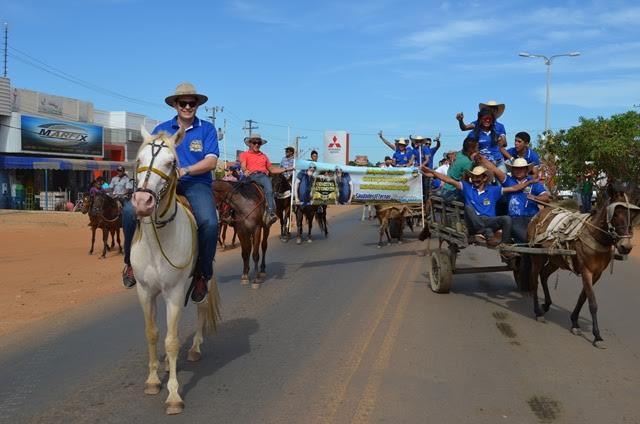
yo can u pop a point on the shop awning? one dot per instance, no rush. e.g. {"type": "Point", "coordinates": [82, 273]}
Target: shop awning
{"type": "Point", "coordinates": [40, 162]}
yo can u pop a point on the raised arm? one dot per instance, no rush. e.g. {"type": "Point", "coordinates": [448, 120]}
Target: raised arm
{"type": "Point", "coordinates": [387, 142]}
{"type": "Point", "coordinates": [518, 187]}
{"type": "Point", "coordinates": [491, 167]}
{"type": "Point", "coordinates": [463, 126]}
{"type": "Point", "coordinates": [442, 177]}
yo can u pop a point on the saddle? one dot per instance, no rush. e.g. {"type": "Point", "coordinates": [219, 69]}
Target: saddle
{"type": "Point", "coordinates": [185, 202]}
{"type": "Point", "coordinates": [565, 226]}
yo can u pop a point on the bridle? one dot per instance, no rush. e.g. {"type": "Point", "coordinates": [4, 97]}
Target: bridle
{"type": "Point", "coordinates": [235, 190]}
{"type": "Point", "coordinates": [169, 185]}
{"type": "Point", "coordinates": [611, 229]}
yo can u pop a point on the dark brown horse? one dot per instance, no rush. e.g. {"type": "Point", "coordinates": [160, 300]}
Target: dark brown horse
{"type": "Point", "coordinates": [609, 225]}
{"type": "Point", "coordinates": [226, 215]}
{"type": "Point", "coordinates": [282, 196]}
{"type": "Point", "coordinates": [105, 216]}
{"type": "Point", "coordinates": [249, 204]}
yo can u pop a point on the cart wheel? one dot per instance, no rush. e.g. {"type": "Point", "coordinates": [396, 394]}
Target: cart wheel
{"type": "Point", "coordinates": [439, 267]}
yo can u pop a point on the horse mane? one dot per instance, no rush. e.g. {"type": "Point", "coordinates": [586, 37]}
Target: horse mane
{"type": "Point", "coordinates": [164, 136]}
{"type": "Point", "coordinates": [246, 189]}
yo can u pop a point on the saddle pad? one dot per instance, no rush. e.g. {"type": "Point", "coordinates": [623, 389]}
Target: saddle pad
{"type": "Point", "coordinates": [564, 226]}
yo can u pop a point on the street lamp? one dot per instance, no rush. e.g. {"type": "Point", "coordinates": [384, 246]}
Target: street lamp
{"type": "Point", "coordinates": [548, 61]}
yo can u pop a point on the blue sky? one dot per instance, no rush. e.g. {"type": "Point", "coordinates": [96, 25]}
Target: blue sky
{"type": "Point", "coordinates": [400, 66]}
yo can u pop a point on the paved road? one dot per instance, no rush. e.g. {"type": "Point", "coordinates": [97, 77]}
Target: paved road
{"type": "Point", "coordinates": [344, 332]}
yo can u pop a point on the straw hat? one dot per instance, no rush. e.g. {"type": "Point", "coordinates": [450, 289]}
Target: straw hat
{"type": "Point", "coordinates": [186, 89]}
{"type": "Point", "coordinates": [491, 104]}
{"type": "Point", "coordinates": [417, 138]}
{"type": "Point", "coordinates": [255, 137]}
{"type": "Point", "coordinates": [401, 140]}
{"type": "Point", "coordinates": [519, 163]}
{"type": "Point", "coordinates": [478, 170]}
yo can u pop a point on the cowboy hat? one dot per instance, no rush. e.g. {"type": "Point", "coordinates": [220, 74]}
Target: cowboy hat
{"type": "Point", "coordinates": [493, 104]}
{"type": "Point", "coordinates": [519, 163]}
{"type": "Point", "coordinates": [186, 89]}
{"type": "Point", "coordinates": [254, 136]}
{"type": "Point", "coordinates": [418, 138]}
{"type": "Point", "coordinates": [478, 170]}
{"type": "Point", "coordinates": [401, 140]}
{"type": "Point", "coordinates": [289, 148]}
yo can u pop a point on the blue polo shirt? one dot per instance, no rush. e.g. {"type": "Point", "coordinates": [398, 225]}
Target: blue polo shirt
{"type": "Point", "coordinates": [430, 151]}
{"type": "Point", "coordinates": [483, 202]}
{"type": "Point", "coordinates": [490, 151]}
{"type": "Point", "coordinates": [530, 155]}
{"type": "Point", "coordinates": [401, 158]}
{"type": "Point", "coordinates": [498, 127]}
{"type": "Point", "coordinates": [200, 140]}
{"type": "Point", "coordinates": [518, 203]}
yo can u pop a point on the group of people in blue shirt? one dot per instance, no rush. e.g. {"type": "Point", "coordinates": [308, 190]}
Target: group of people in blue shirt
{"type": "Point", "coordinates": [479, 178]}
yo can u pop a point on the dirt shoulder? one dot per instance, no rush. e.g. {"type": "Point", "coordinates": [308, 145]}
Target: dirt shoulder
{"type": "Point", "coordinates": [45, 268]}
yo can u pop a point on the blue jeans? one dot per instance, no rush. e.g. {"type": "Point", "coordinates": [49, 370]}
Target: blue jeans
{"type": "Point", "coordinates": [519, 225]}
{"type": "Point", "coordinates": [265, 183]}
{"type": "Point", "coordinates": [200, 197]}
{"type": "Point", "coordinates": [585, 198]}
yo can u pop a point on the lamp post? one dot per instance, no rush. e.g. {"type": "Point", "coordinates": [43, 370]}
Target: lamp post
{"type": "Point", "coordinates": [548, 61]}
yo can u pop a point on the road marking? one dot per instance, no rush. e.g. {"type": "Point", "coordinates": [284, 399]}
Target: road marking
{"type": "Point", "coordinates": [370, 394]}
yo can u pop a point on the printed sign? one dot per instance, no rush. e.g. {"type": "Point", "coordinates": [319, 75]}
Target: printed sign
{"type": "Point", "coordinates": [336, 147]}
{"type": "Point", "coordinates": [338, 184]}
{"type": "Point", "coordinates": [43, 135]}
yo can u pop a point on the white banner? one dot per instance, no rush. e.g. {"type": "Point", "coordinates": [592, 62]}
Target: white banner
{"type": "Point", "coordinates": [337, 184]}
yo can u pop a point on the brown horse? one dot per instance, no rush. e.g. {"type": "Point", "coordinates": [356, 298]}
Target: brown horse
{"type": "Point", "coordinates": [226, 215]}
{"type": "Point", "coordinates": [98, 219]}
{"type": "Point", "coordinates": [249, 204]}
{"type": "Point", "coordinates": [593, 238]}
{"type": "Point", "coordinates": [282, 197]}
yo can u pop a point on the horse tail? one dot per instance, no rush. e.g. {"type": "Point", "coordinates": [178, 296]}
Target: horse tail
{"type": "Point", "coordinates": [213, 308]}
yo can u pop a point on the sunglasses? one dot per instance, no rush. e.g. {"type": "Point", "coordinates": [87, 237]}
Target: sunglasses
{"type": "Point", "coordinates": [255, 142]}
{"type": "Point", "coordinates": [487, 118]}
{"type": "Point", "coordinates": [192, 104]}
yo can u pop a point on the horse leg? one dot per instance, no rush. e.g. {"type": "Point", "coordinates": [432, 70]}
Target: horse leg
{"type": "Point", "coordinates": [195, 354]}
{"type": "Point", "coordinates": [588, 280]}
{"type": "Point", "coordinates": [93, 238]}
{"type": "Point", "coordinates": [575, 315]}
{"type": "Point", "coordinates": [119, 243]}
{"type": "Point", "coordinates": [245, 243]}
{"type": "Point", "coordinates": [265, 244]}
{"type": "Point", "coordinates": [174, 402]}
{"type": "Point", "coordinates": [256, 258]}
{"type": "Point", "coordinates": [148, 303]}
{"type": "Point", "coordinates": [310, 223]}
{"type": "Point", "coordinates": [544, 277]}
{"type": "Point", "coordinates": [105, 242]}
{"type": "Point", "coordinates": [299, 225]}
{"type": "Point", "coordinates": [233, 239]}
{"type": "Point", "coordinates": [537, 262]}
{"type": "Point", "coordinates": [382, 231]}
{"type": "Point", "coordinates": [112, 231]}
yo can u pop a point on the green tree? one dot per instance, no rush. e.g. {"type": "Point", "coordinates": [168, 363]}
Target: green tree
{"type": "Point", "coordinates": [605, 145]}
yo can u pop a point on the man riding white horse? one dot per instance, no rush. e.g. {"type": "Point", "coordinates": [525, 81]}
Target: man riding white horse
{"type": "Point", "coordinates": [198, 155]}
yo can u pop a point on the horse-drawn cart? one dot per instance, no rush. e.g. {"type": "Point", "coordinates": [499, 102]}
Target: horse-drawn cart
{"type": "Point", "coordinates": [446, 223]}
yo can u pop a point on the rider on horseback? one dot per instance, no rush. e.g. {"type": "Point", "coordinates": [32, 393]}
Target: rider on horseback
{"type": "Point", "coordinates": [257, 167]}
{"type": "Point", "coordinates": [198, 155]}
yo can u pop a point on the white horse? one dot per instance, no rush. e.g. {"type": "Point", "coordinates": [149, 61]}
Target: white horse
{"type": "Point", "coordinates": [163, 257]}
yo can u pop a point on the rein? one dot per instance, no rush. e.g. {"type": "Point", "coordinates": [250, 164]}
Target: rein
{"type": "Point", "coordinates": [233, 192]}
{"type": "Point", "coordinates": [170, 186]}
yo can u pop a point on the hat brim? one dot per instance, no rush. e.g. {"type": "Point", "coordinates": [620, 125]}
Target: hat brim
{"type": "Point", "coordinates": [510, 166]}
{"type": "Point", "coordinates": [171, 100]}
{"type": "Point", "coordinates": [500, 107]}
{"type": "Point", "coordinates": [247, 140]}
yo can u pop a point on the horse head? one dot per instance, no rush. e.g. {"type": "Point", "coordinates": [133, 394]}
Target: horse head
{"type": "Point", "coordinates": [281, 184]}
{"type": "Point", "coordinates": [156, 170]}
{"type": "Point", "coordinates": [87, 200]}
{"type": "Point", "coordinates": [622, 215]}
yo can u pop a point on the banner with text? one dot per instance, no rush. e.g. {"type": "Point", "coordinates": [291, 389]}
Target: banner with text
{"type": "Point", "coordinates": [332, 184]}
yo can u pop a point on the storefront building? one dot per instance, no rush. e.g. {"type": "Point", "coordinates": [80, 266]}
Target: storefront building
{"type": "Point", "coordinates": [53, 147]}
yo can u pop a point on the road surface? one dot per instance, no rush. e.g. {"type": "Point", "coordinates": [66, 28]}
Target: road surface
{"type": "Point", "coordinates": [343, 332]}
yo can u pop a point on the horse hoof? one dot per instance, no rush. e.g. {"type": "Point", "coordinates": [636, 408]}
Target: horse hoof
{"type": "Point", "coordinates": [309, 241]}
{"type": "Point", "coordinates": [174, 408]}
{"type": "Point", "coordinates": [256, 285]}
{"type": "Point", "coordinates": [152, 388]}
{"type": "Point", "coordinates": [379, 246]}
{"type": "Point", "coordinates": [298, 241]}
{"type": "Point", "coordinates": [261, 275]}
{"type": "Point", "coordinates": [576, 331]}
{"type": "Point", "coordinates": [541, 319]}
{"type": "Point", "coordinates": [194, 356]}
{"type": "Point", "coordinates": [244, 281]}
{"type": "Point", "coordinates": [600, 344]}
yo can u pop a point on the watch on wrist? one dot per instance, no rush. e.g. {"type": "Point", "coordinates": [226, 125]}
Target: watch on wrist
{"type": "Point", "coordinates": [187, 170]}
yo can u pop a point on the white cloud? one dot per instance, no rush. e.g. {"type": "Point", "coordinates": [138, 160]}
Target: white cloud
{"type": "Point", "coordinates": [252, 12]}
{"type": "Point", "coordinates": [595, 94]}
{"type": "Point", "coordinates": [448, 33]}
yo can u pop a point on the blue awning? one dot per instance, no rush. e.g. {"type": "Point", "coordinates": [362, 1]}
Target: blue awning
{"type": "Point", "coordinates": [40, 162]}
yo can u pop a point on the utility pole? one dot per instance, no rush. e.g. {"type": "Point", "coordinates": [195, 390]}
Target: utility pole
{"type": "Point", "coordinates": [6, 38]}
{"type": "Point", "coordinates": [248, 125]}
{"type": "Point", "coordinates": [296, 143]}
{"type": "Point", "coordinates": [213, 110]}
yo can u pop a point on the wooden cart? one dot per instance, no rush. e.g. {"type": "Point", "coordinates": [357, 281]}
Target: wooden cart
{"type": "Point", "coordinates": [446, 223]}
